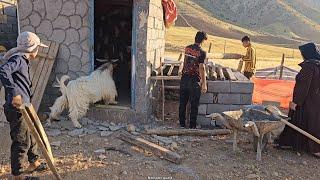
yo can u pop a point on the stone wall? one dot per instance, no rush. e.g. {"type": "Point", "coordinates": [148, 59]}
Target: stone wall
{"type": "Point", "coordinates": [224, 96]}
{"type": "Point", "coordinates": [8, 24]}
{"type": "Point", "coordinates": [66, 22]}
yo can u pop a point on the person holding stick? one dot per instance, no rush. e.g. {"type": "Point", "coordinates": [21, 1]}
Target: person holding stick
{"type": "Point", "coordinates": [15, 77]}
{"type": "Point", "coordinates": [304, 109]}
{"type": "Point", "coordinates": [193, 81]}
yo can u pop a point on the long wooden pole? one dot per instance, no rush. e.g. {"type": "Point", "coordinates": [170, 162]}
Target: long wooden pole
{"type": "Point", "coordinates": [187, 132]}
{"type": "Point", "coordinates": [301, 131]}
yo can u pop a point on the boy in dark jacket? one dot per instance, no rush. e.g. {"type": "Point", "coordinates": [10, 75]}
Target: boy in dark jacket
{"type": "Point", "coordinates": [15, 77]}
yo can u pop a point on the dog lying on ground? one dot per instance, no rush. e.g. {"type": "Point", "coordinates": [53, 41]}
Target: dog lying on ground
{"type": "Point", "coordinates": [81, 92]}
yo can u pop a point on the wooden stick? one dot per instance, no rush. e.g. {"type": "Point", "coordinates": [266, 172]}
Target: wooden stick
{"type": "Point", "coordinates": [230, 75]}
{"type": "Point", "coordinates": [40, 143]}
{"type": "Point", "coordinates": [240, 65]}
{"type": "Point", "coordinates": [34, 117]}
{"type": "Point", "coordinates": [180, 57]}
{"type": "Point", "coordinates": [163, 91]}
{"type": "Point", "coordinates": [172, 87]}
{"type": "Point", "coordinates": [188, 132]}
{"type": "Point", "coordinates": [156, 149]}
{"type": "Point", "coordinates": [301, 131]}
{"type": "Point", "coordinates": [281, 67]}
{"type": "Point", "coordinates": [170, 70]}
{"type": "Point", "coordinates": [210, 46]}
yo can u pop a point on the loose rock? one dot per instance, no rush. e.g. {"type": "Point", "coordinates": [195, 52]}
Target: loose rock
{"type": "Point", "coordinates": [103, 128]}
{"type": "Point", "coordinates": [131, 128]}
{"type": "Point", "coordinates": [100, 151]}
{"type": "Point", "coordinates": [105, 133]}
{"type": "Point", "coordinates": [53, 132]}
{"type": "Point", "coordinates": [56, 143]}
{"type": "Point", "coordinates": [76, 132]}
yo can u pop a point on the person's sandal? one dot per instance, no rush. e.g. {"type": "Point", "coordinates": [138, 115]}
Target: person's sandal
{"type": "Point", "coordinates": [42, 167]}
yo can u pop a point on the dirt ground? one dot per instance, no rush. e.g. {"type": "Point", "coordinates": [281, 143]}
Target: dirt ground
{"type": "Point", "coordinates": [89, 156]}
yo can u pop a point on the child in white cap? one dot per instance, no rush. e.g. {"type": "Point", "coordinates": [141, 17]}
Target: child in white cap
{"type": "Point", "coordinates": [15, 77]}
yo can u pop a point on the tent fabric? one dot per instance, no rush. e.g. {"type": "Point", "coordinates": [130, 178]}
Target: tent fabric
{"type": "Point", "coordinates": [273, 90]}
{"type": "Point", "coordinates": [170, 12]}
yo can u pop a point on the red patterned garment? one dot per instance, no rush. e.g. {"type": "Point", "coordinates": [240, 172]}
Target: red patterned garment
{"type": "Point", "coordinates": [170, 12]}
{"type": "Point", "coordinates": [194, 55]}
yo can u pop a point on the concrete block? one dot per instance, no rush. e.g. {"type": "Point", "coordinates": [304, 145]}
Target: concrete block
{"type": "Point", "coordinates": [219, 86]}
{"type": "Point", "coordinates": [242, 87]}
{"type": "Point", "coordinates": [206, 98]}
{"type": "Point", "coordinates": [217, 108]}
{"type": "Point", "coordinates": [229, 98]}
{"type": "Point", "coordinates": [245, 99]}
{"type": "Point", "coordinates": [235, 107]}
{"type": "Point", "coordinates": [202, 109]}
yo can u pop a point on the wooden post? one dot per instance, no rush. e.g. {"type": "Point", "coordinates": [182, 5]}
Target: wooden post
{"type": "Point", "coordinates": [180, 57]}
{"type": "Point", "coordinates": [210, 46]}
{"type": "Point", "coordinates": [163, 90]}
{"type": "Point", "coordinates": [156, 149]}
{"type": "Point", "coordinates": [281, 67]}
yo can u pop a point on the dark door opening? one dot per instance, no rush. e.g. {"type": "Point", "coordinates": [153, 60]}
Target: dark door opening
{"type": "Point", "coordinates": [112, 41]}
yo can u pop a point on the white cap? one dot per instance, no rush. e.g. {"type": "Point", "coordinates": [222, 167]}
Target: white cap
{"type": "Point", "coordinates": [28, 41]}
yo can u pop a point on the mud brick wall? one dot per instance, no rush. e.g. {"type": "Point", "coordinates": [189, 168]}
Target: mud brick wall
{"type": "Point", "coordinates": [225, 96]}
{"type": "Point", "coordinates": [8, 23]}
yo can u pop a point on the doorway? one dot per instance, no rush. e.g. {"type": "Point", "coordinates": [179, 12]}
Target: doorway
{"type": "Point", "coordinates": [112, 41]}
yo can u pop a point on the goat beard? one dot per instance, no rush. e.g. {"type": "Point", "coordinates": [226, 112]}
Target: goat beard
{"type": "Point", "coordinates": [80, 93]}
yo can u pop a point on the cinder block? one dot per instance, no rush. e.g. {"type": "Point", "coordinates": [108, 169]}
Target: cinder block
{"type": "Point", "coordinates": [245, 99]}
{"type": "Point", "coordinates": [206, 98]}
{"type": "Point", "coordinates": [219, 86]}
{"type": "Point", "coordinates": [229, 98]}
{"type": "Point", "coordinates": [242, 87]}
{"type": "Point", "coordinates": [235, 107]}
{"type": "Point", "coordinates": [202, 109]}
{"type": "Point", "coordinates": [217, 108]}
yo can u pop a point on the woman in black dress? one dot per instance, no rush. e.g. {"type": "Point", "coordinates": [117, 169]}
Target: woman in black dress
{"type": "Point", "coordinates": [305, 108]}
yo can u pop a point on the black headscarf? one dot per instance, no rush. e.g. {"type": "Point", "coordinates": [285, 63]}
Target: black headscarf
{"type": "Point", "coordinates": [310, 53]}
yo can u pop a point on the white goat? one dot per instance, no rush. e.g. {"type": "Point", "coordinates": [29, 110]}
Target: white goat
{"type": "Point", "coordinates": [80, 93]}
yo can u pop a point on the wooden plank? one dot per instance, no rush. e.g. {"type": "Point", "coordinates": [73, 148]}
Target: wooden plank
{"type": "Point", "coordinates": [172, 87]}
{"type": "Point", "coordinates": [39, 141]}
{"type": "Point", "coordinates": [180, 69]}
{"type": "Point", "coordinates": [240, 76]}
{"type": "Point", "coordinates": [162, 91]}
{"type": "Point", "coordinates": [180, 57]}
{"type": "Point", "coordinates": [187, 132]}
{"type": "Point", "coordinates": [165, 77]}
{"type": "Point", "coordinates": [220, 73]}
{"type": "Point", "coordinates": [156, 149]}
{"type": "Point", "coordinates": [37, 123]}
{"type": "Point", "coordinates": [170, 70]}
{"type": "Point", "coordinates": [230, 75]}
{"type": "Point", "coordinates": [42, 72]}
{"type": "Point", "coordinates": [240, 65]}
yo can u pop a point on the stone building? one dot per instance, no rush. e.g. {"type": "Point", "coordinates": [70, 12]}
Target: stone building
{"type": "Point", "coordinates": [75, 25]}
{"type": "Point", "coordinates": [8, 23]}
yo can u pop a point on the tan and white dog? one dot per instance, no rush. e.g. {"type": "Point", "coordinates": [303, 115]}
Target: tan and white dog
{"type": "Point", "coordinates": [81, 92]}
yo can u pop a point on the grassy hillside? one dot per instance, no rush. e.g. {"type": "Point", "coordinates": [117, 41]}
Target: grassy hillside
{"type": "Point", "coordinates": [293, 19]}
{"type": "Point", "coordinates": [268, 56]}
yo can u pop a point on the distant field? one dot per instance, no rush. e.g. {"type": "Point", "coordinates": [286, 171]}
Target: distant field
{"type": "Point", "coordinates": [268, 56]}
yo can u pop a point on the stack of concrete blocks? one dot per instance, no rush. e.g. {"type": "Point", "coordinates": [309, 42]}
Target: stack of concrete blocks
{"type": "Point", "coordinates": [224, 96]}
{"type": "Point", "coordinates": [8, 23]}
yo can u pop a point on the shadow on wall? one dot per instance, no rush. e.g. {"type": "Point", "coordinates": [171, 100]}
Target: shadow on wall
{"type": "Point", "coordinates": [8, 24]}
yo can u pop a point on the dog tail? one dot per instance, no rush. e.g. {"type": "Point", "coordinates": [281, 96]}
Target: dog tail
{"type": "Point", "coordinates": [62, 85]}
